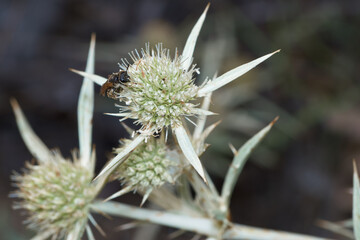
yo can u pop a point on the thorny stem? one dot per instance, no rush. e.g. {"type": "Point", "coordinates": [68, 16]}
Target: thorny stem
{"type": "Point", "coordinates": [199, 225]}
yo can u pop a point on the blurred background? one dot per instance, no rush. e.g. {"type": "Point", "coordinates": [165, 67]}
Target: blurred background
{"type": "Point", "coordinates": [301, 173]}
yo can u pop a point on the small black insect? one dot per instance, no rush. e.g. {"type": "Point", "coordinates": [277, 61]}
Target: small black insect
{"type": "Point", "coordinates": [112, 87]}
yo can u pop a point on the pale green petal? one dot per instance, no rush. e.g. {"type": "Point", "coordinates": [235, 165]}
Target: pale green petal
{"type": "Point", "coordinates": [239, 162]}
{"type": "Point", "coordinates": [37, 148]}
{"type": "Point", "coordinates": [189, 47]}
{"type": "Point", "coordinates": [231, 75]}
{"type": "Point", "coordinates": [188, 150]}
{"type": "Point", "coordinates": [99, 80]}
{"type": "Point", "coordinates": [116, 161]}
{"type": "Point", "coordinates": [356, 204]}
{"type": "Point", "coordinates": [86, 108]}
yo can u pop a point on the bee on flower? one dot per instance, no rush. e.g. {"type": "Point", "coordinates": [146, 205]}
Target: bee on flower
{"type": "Point", "coordinates": [160, 92]}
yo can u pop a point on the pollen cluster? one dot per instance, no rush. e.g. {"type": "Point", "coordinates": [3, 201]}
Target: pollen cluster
{"type": "Point", "coordinates": [147, 167]}
{"type": "Point", "coordinates": [159, 91]}
{"type": "Point", "coordinates": [56, 195]}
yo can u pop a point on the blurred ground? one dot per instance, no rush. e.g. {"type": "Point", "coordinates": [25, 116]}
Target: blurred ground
{"type": "Point", "coordinates": [303, 170]}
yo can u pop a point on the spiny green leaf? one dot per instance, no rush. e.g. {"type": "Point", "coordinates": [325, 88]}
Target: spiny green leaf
{"type": "Point", "coordinates": [239, 161]}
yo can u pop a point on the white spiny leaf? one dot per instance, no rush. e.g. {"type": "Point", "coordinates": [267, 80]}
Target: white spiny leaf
{"type": "Point", "coordinates": [119, 193]}
{"type": "Point", "coordinates": [118, 114]}
{"type": "Point", "coordinates": [86, 108]}
{"type": "Point", "coordinates": [231, 75]}
{"type": "Point", "coordinates": [189, 47]}
{"type": "Point", "coordinates": [239, 161]}
{"type": "Point", "coordinates": [188, 150]}
{"type": "Point", "coordinates": [116, 161]}
{"type": "Point", "coordinates": [37, 148]}
{"type": "Point", "coordinates": [99, 80]}
{"type": "Point", "coordinates": [203, 112]}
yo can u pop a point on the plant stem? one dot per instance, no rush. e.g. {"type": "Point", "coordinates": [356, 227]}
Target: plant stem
{"type": "Point", "coordinates": [199, 225]}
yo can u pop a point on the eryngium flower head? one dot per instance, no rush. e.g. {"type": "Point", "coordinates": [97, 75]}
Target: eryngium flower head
{"type": "Point", "coordinates": [147, 167]}
{"type": "Point", "coordinates": [159, 91]}
{"type": "Point", "coordinates": [165, 88]}
{"type": "Point", "coordinates": [56, 195]}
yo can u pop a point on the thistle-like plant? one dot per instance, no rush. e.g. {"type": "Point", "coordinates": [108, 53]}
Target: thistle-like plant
{"type": "Point", "coordinates": [160, 94]}
{"type": "Point", "coordinates": [57, 192]}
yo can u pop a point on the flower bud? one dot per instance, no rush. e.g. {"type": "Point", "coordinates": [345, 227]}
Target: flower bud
{"type": "Point", "coordinates": [146, 167]}
{"type": "Point", "coordinates": [56, 195]}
